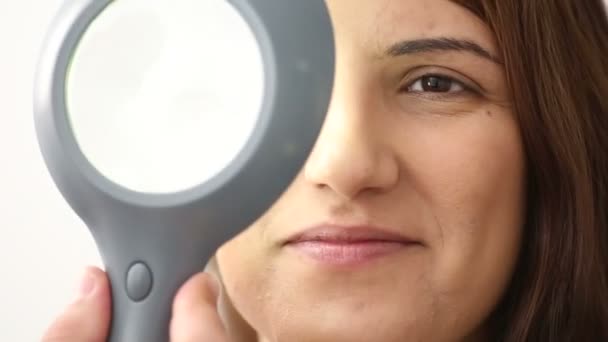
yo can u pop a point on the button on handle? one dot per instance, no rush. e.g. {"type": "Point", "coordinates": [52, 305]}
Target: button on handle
{"type": "Point", "coordinates": [138, 282]}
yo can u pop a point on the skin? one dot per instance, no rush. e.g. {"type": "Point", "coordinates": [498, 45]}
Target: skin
{"type": "Point", "coordinates": [443, 165]}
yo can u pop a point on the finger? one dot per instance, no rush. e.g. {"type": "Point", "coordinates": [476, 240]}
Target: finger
{"type": "Point", "coordinates": [88, 317]}
{"type": "Point", "coordinates": [195, 317]}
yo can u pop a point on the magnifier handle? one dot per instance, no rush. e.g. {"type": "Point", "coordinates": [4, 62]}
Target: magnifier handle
{"type": "Point", "coordinates": [143, 292]}
{"type": "Point", "coordinates": [134, 321]}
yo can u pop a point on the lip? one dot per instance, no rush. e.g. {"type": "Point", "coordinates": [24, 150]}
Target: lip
{"type": "Point", "coordinates": [346, 234]}
{"type": "Point", "coordinates": [348, 245]}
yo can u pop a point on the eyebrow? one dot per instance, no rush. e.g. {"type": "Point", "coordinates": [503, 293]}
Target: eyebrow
{"type": "Point", "coordinates": [409, 47]}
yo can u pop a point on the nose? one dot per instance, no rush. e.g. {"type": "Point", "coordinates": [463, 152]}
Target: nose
{"type": "Point", "coordinates": [351, 155]}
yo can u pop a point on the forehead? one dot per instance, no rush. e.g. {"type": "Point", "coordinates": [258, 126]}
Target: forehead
{"type": "Point", "coordinates": [373, 25]}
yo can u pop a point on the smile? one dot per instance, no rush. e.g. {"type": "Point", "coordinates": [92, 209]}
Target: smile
{"type": "Point", "coordinates": [348, 246]}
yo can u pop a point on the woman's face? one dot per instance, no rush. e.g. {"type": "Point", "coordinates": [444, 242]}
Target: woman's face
{"type": "Point", "coordinates": [414, 191]}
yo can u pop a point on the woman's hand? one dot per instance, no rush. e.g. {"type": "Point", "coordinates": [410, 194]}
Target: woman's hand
{"type": "Point", "coordinates": [195, 317]}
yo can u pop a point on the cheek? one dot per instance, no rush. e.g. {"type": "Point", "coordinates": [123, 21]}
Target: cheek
{"type": "Point", "coordinates": [470, 171]}
{"type": "Point", "coordinates": [249, 276]}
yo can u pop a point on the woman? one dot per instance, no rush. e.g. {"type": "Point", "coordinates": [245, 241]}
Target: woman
{"type": "Point", "coordinates": [458, 190]}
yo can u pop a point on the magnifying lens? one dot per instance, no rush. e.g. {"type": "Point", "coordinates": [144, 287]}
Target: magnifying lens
{"type": "Point", "coordinates": [171, 125]}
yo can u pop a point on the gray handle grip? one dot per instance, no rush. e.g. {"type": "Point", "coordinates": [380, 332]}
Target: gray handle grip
{"type": "Point", "coordinates": [145, 278]}
{"type": "Point", "coordinates": [132, 322]}
{"type": "Point", "coordinates": [137, 321]}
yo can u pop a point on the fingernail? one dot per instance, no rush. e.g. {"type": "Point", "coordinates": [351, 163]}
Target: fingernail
{"type": "Point", "coordinates": [87, 284]}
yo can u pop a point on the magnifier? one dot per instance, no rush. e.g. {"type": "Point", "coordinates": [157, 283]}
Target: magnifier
{"type": "Point", "coordinates": [169, 126]}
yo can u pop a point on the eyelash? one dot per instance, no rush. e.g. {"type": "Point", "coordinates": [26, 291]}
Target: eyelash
{"type": "Point", "coordinates": [462, 88]}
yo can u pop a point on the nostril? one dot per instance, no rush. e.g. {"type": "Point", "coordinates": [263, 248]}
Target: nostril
{"type": "Point", "coordinates": [348, 176]}
{"type": "Point", "coordinates": [349, 157]}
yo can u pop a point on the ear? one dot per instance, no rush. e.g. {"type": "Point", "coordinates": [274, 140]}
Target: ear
{"type": "Point", "coordinates": [238, 329]}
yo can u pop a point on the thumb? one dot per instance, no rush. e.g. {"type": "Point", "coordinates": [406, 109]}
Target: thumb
{"type": "Point", "coordinates": [88, 317]}
{"type": "Point", "coordinates": [195, 316]}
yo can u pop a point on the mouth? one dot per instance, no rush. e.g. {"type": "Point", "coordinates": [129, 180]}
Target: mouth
{"type": "Point", "coordinates": [348, 245]}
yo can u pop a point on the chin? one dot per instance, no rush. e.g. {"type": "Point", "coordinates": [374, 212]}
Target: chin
{"type": "Point", "coordinates": [344, 320]}
{"type": "Point", "coordinates": [344, 330]}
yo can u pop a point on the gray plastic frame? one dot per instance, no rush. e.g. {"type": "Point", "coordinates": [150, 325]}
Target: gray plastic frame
{"type": "Point", "coordinates": [175, 234]}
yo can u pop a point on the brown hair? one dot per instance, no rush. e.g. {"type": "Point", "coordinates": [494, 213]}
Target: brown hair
{"type": "Point", "coordinates": [556, 60]}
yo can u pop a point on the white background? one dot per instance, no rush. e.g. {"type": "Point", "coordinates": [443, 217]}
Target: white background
{"type": "Point", "coordinates": [43, 245]}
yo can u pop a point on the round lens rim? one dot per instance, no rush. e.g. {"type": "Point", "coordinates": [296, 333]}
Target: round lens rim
{"type": "Point", "coordinates": [298, 79]}
{"type": "Point", "coordinates": [101, 169]}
